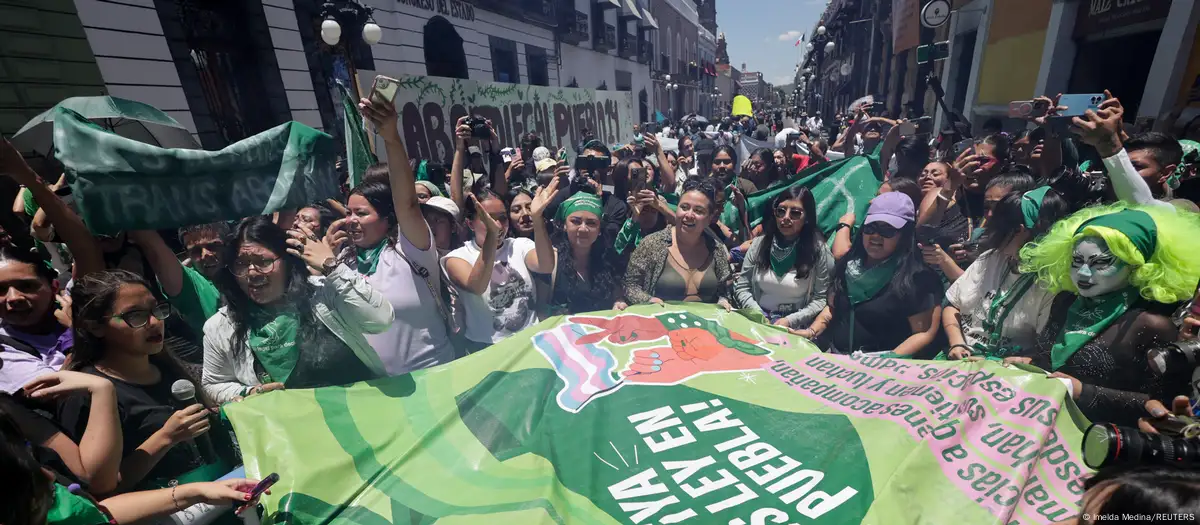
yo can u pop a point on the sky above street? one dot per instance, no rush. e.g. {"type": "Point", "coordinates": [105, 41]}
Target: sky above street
{"type": "Point", "coordinates": [763, 33]}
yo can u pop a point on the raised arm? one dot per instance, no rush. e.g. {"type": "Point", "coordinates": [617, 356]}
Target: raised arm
{"type": "Point", "coordinates": [97, 457]}
{"type": "Point", "coordinates": [890, 141]}
{"type": "Point", "coordinates": [474, 278]}
{"type": "Point", "coordinates": [542, 259]}
{"type": "Point", "coordinates": [1102, 130]}
{"type": "Point", "coordinates": [67, 224]}
{"type": "Point", "coordinates": [666, 177]}
{"type": "Point", "coordinates": [404, 194]}
{"type": "Point", "coordinates": [462, 133]}
{"type": "Point", "coordinates": [162, 260]}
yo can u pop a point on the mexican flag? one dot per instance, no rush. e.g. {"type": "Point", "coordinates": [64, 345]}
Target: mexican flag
{"type": "Point", "coordinates": [675, 414]}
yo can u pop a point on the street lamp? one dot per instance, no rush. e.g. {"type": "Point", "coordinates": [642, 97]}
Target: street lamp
{"type": "Point", "coordinates": [821, 30]}
{"type": "Point", "coordinates": [829, 47]}
{"type": "Point", "coordinates": [341, 15]}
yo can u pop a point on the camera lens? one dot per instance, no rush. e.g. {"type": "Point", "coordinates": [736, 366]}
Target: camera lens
{"type": "Point", "coordinates": [1107, 444]}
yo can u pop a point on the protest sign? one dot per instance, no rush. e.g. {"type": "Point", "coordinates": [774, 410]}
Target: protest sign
{"type": "Point", "coordinates": [675, 414]}
{"type": "Point", "coordinates": [429, 107]}
{"type": "Point", "coordinates": [122, 184]}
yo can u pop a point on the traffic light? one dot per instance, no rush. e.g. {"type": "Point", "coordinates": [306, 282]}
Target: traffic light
{"type": "Point", "coordinates": [933, 52]}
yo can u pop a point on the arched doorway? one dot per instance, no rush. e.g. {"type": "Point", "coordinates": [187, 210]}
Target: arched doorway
{"type": "Point", "coordinates": [643, 106]}
{"type": "Point", "coordinates": [444, 55]}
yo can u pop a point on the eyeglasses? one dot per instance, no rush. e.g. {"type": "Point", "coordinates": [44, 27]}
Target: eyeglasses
{"type": "Point", "coordinates": [140, 318]}
{"type": "Point", "coordinates": [241, 267]}
{"type": "Point", "coordinates": [880, 229]}
{"type": "Point", "coordinates": [781, 212]}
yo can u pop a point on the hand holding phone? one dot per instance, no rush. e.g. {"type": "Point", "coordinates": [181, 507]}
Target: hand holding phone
{"type": "Point", "coordinates": [384, 90]}
{"type": "Point", "coordinates": [258, 490]}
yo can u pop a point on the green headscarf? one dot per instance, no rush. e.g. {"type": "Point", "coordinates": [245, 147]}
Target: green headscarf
{"type": "Point", "coordinates": [1136, 225]}
{"type": "Point", "coordinates": [1031, 205]}
{"type": "Point", "coordinates": [581, 201]}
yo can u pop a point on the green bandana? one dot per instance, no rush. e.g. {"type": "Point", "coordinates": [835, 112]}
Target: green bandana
{"type": "Point", "coordinates": [580, 201]}
{"type": "Point", "coordinates": [1031, 205]}
{"type": "Point", "coordinates": [783, 258]}
{"type": "Point", "coordinates": [368, 259]}
{"type": "Point", "coordinates": [1138, 226]}
{"type": "Point", "coordinates": [73, 509]}
{"type": "Point", "coordinates": [1191, 156]}
{"type": "Point", "coordinates": [273, 341]}
{"type": "Point", "coordinates": [1086, 319]}
{"type": "Point", "coordinates": [422, 171]}
{"type": "Point", "coordinates": [863, 284]}
{"type": "Point", "coordinates": [1002, 304]}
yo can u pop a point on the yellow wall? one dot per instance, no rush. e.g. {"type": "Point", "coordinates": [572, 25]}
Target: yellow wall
{"type": "Point", "coordinates": [1013, 54]}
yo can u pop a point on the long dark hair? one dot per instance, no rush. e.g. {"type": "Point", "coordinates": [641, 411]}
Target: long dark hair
{"type": "Point", "coordinates": [903, 281]}
{"type": "Point", "coordinates": [298, 291]}
{"type": "Point", "coordinates": [907, 186]}
{"type": "Point", "coordinates": [1008, 220]}
{"type": "Point", "coordinates": [808, 242]}
{"type": "Point", "coordinates": [92, 299]}
{"type": "Point", "coordinates": [767, 157]}
{"type": "Point", "coordinates": [604, 269]}
{"type": "Point", "coordinates": [27, 499]}
{"type": "Point", "coordinates": [378, 194]}
{"type": "Point", "coordinates": [1147, 489]}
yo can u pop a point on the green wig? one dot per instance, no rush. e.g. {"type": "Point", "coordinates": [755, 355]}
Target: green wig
{"type": "Point", "coordinates": [1168, 276]}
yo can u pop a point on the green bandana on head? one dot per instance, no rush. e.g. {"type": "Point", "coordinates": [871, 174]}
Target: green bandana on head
{"type": "Point", "coordinates": [433, 189]}
{"type": "Point", "coordinates": [1136, 225]}
{"type": "Point", "coordinates": [1031, 206]}
{"type": "Point", "coordinates": [581, 201]}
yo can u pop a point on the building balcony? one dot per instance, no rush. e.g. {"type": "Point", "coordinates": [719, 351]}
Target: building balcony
{"type": "Point", "coordinates": [573, 26]}
{"type": "Point", "coordinates": [541, 12]}
{"type": "Point", "coordinates": [605, 39]}
{"type": "Point", "coordinates": [628, 47]}
{"type": "Point", "coordinates": [646, 53]}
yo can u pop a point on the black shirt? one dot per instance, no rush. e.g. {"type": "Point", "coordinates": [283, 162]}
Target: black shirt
{"type": "Point", "coordinates": [881, 323]}
{"type": "Point", "coordinates": [142, 411]}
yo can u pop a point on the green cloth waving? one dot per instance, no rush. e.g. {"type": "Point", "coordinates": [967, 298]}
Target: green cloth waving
{"type": "Point", "coordinates": [1086, 319]}
{"type": "Point", "coordinates": [273, 341]}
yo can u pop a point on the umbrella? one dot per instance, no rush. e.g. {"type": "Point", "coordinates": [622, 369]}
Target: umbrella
{"type": "Point", "coordinates": [700, 120]}
{"type": "Point", "coordinates": [127, 118]}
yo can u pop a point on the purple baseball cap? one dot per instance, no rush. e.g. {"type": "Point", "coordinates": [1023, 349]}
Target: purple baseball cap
{"type": "Point", "coordinates": [893, 208]}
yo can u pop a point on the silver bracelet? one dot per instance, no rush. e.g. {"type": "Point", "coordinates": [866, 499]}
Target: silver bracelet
{"type": "Point", "coordinates": [175, 485]}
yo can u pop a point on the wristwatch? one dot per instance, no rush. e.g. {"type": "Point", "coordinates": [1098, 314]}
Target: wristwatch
{"type": "Point", "coordinates": [841, 225]}
{"type": "Point", "coordinates": [328, 265]}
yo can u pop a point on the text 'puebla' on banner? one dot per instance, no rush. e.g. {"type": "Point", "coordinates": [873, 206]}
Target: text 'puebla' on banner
{"type": "Point", "coordinates": [429, 108]}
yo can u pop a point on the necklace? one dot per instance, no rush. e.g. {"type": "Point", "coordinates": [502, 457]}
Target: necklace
{"type": "Point", "coordinates": [780, 253]}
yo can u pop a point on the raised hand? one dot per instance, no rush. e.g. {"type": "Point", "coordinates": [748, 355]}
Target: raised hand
{"type": "Point", "coordinates": [543, 198]}
{"type": "Point", "coordinates": [383, 116]}
{"type": "Point", "coordinates": [1101, 129]}
{"type": "Point", "coordinates": [313, 251]}
{"type": "Point", "coordinates": [337, 236]}
{"type": "Point", "coordinates": [462, 133]}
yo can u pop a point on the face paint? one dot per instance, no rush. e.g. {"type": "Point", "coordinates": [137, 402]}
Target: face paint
{"type": "Point", "coordinates": [1095, 270]}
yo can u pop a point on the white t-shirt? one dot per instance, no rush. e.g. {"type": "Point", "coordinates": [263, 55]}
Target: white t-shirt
{"type": "Point", "coordinates": [417, 338]}
{"type": "Point", "coordinates": [507, 305]}
{"type": "Point", "coordinates": [972, 294]}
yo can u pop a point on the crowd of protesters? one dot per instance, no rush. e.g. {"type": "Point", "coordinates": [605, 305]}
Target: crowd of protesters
{"type": "Point", "coordinates": [1003, 250]}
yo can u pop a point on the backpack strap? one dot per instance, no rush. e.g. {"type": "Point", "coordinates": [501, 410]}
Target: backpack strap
{"type": "Point", "coordinates": [20, 345]}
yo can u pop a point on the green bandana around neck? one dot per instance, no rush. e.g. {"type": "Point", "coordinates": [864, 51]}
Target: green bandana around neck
{"type": "Point", "coordinates": [863, 284]}
{"type": "Point", "coordinates": [1031, 206]}
{"type": "Point", "coordinates": [1136, 225]}
{"type": "Point", "coordinates": [368, 259]}
{"type": "Point", "coordinates": [1087, 318]}
{"type": "Point", "coordinates": [73, 509]}
{"type": "Point", "coordinates": [272, 339]}
{"type": "Point", "coordinates": [783, 258]}
{"type": "Point", "coordinates": [581, 201]}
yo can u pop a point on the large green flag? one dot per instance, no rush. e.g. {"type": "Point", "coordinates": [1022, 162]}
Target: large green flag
{"type": "Point", "coordinates": [358, 151]}
{"type": "Point", "coordinates": [670, 414]}
{"type": "Point", "coordinates": [122, 184]}
{"type": "Point", "coordinates": [838, 186]}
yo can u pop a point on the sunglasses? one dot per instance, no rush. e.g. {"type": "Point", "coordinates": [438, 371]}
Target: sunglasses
{"type": "Point", "coordinates": [880, 229]}
{"type": "Point", "coordinates": [140, 318]}
{"type": "Point", "coordinates": [781, 212]}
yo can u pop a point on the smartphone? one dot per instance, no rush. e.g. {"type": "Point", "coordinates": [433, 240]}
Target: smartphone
{"type": "Point", "coordinates": [385, 89]}
{"type": "Point", "coordinates": [259, 489]}
{"type": "Point", "coordinates": [508, 154]}
{"type": "Point", "coordinates": [908, 129]}
{"type": "Point", "coordinates": [963, 145]}
{"type": "Point", "coordinates": [1028, 108]}
{"type": "Point", "coordinates": [1078, 104]}
{"type": "Point", "coordinates": [637, 180]}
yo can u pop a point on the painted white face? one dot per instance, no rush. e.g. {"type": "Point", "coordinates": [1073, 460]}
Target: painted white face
{"type": "Point", "coordinates": [1095, 270]}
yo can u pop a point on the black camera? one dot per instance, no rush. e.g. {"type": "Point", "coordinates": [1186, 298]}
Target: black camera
{"type": "Point", "coordinates": [1106, 444]}
{"type": "Point", "coordinates": [1078, 188]}
{"type": "Point", "coordinates": [479, 127]}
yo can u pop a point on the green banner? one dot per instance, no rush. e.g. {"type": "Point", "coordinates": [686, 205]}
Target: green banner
{"type": "Point", "coordinates": [359, 156]}
{"type": "Point", "coordinates": [838, 186]}
{"type": "Point", "coordinates": [675, 414]}
{"type": "Point", "coordinates": [122, 184]}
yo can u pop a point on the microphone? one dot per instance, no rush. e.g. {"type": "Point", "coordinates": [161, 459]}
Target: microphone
{"type": "Point", "coordinates": [185, 392]}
